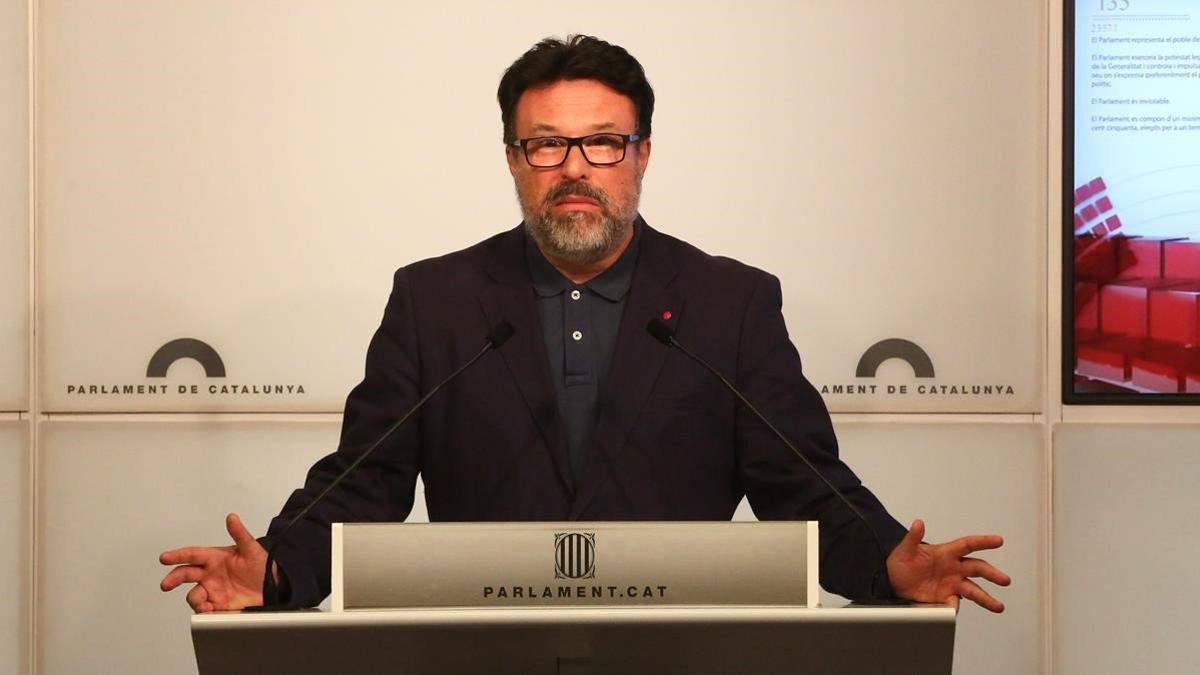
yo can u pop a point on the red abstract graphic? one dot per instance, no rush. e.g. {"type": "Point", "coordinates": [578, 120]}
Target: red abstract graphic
{"type": "Point", "coordinates": [1137, 304]}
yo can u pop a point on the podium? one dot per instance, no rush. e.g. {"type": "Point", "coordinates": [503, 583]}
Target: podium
{"type": "Point", "coordinates": [664, 606]}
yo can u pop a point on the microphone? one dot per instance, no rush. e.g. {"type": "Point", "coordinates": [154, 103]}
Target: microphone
{"type": "Point", "coordinates": [496, 337]}
{"type": "Point", "coordinates": [663, 333]}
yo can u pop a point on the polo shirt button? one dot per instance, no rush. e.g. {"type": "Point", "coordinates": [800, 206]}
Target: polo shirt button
{"type": "Point", "coordinates": [577, 336]}
{"type": "Point", "coordinates": [575, 296]}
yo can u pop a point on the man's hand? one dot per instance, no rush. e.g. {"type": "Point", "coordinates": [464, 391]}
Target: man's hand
{"type": "Point", "coordinates": [942, 572]}
{"type": "Point", "coordinates": [226, 577]}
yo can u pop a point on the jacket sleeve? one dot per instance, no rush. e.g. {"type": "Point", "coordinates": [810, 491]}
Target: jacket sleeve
{"type": "Point", "coordinates": [777, 483]}
{"type": "Point", "coordinates": [381, 488]}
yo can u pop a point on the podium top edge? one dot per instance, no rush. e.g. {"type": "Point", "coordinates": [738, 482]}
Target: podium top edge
{"type": "Point", "coordinates": [475, 616]}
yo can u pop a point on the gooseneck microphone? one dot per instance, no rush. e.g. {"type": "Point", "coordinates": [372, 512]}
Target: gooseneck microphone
{"type": "Point", "coordinates": [663, 333]}
{"type": "Point", "coordinates": [496, 337]}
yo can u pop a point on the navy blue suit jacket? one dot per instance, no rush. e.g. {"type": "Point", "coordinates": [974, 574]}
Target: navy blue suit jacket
{"type": "Point", "coordinates": [670, 444]}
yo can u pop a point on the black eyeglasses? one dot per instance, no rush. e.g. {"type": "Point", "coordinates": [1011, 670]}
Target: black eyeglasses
{"type": "Point", "coordinates": [545, 152]}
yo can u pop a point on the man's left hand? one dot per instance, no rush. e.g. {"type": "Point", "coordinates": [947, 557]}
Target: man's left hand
{"type": "Point", "coordinates": [942, 572]}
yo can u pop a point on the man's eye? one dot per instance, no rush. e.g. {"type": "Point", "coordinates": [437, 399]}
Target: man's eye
{"type": "Point", "coordinates": [607, 142]}
{"type": "Point", "coordinates": [546, 144]}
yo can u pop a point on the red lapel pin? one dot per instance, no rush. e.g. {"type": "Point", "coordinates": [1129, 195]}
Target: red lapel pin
{"type": "Point", "coordinates": [667, 315]}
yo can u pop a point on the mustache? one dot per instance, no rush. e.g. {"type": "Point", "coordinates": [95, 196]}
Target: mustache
{"type": "Point", "coordinates": [575, 189]}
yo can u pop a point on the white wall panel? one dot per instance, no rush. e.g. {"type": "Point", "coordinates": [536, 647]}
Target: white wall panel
{"type": "Point", "coordinates": [1126, 539]}
{"type": "Point", "coordinates": [14, 207]}
{"type": "Point", "coordinates": [113, 495]}
{"type": "Point", "coordinates": [969, 479]}
{"type": "Point", "coordinates": [886, 160]}
{"type": "Point", "coordinates": [14, 540]}
{"type": "Point", "coordinates": [249, 173]}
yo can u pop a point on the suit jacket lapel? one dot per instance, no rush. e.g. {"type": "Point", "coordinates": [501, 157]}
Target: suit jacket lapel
{"type": "Point", "coordinates": [511, 298]}
{"type": "Point", "coordinates": [636, 362]}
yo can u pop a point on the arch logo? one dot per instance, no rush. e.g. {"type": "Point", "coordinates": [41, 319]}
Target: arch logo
{"type": "Point", "coordinates": [924, 381]}
{"type": "Point", "coordinates": [158, 384]}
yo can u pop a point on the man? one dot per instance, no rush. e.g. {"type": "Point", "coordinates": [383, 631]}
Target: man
{"type": "Point", "coordinates": [581, 415]}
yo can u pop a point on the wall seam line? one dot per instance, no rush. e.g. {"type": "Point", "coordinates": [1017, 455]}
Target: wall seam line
{"type": "Point", "coordinates": [33, 445]}
{"type": "Point", "coordinates": [1053, 364]}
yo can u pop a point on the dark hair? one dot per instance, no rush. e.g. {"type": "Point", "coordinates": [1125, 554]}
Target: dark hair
{"type": "Point", "coordinates": [580, 57]}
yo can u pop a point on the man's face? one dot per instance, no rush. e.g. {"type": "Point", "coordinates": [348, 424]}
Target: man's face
{"type": "Point", "coordinates": [576, 212]}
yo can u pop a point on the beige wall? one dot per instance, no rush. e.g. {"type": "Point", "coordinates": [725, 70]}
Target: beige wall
{"type": "Point", "coordinates": [250, 173]}
{"type": "Point", "coordinates": [114, 493]}
{"type": "Point", "coordinates": [15, 490]}
{"type": "Point", "coordinates": [1125, 545]}
{"type": "Point", "coordinates": [14, 208]}
{"type": "Point", "coordinates": [14, 543]}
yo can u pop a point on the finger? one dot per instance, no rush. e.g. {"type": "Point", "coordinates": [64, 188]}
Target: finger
{"type": "Point", "coordinates": [237, 530]}
{"type": "Point", "coordinates": [974, 567]}
{"type": "Point", "coordinates": [964, 546]}
{"type": "Point", "coordinates": [971, 591]}
{"type": "Point", "coordinates": [206, 607]}
{"type": "Point", "coordinates": [184, 574]}
{"type": "Point", "coordinates": [197, 597]}
{"type": "Point", "coordinates": [952, 601]}
{"type": "Point", "coordinates": [188, 555]}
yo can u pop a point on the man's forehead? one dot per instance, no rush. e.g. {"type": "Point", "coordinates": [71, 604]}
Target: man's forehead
{"type": "Point", "coordinates": [552, 128]}
{"type": "Point", "coordinates": [574, 106]}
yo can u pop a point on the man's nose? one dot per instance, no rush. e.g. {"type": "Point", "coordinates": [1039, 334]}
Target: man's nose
{"type": "Point", "coordinates": [575, 166]}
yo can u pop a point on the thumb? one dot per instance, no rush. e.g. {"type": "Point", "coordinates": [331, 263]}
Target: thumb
{"type": "Point", "coordinates": [916, 534]}
{"type": "Point", "coordinates": [237, 530]}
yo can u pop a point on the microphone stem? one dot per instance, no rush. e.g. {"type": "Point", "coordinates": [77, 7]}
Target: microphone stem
{"type": "Point", "coordinates": [728, 385]}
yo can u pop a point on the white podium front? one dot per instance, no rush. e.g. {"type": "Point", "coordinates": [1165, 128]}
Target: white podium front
{"type": "Point", "coordinates": [850, 640]}
{"type": "Point", "coordinates": [578, 564]}
{"type": "Point", "coordinates": [579, 598]}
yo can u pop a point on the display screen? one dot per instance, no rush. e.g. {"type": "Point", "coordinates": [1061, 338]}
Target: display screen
{"type": "Point", "coordinates": [1132, 201]}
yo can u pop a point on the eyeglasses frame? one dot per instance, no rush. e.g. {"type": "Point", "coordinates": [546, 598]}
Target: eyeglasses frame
{"type": "Point", "coordinates": [572, 142]}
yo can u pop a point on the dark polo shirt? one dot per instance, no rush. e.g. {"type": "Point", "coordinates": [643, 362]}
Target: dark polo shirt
{"type": "Point", "coordinates": [579, 325]}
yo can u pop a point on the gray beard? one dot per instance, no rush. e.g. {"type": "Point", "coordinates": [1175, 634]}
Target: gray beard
{"type": "Point", "coordinates": [564, 239]}
{"type": "Point", "coordinates": [578, 238]}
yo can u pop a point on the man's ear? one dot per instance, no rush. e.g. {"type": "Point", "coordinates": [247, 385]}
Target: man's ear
{"type": "Point", "coordinates": [510, 154]}
{"type": "Point", "coordinates": [643, 156]}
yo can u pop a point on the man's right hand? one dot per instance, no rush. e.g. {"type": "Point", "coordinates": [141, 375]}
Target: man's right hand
{"type": "Point", "coordinates": [225, 577]}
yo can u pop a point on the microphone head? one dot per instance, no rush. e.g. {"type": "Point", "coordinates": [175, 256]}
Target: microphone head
{"type": "Point", "coordinates": [661, 331]}
{"type": "Point", "coordinates": [500, 333]}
